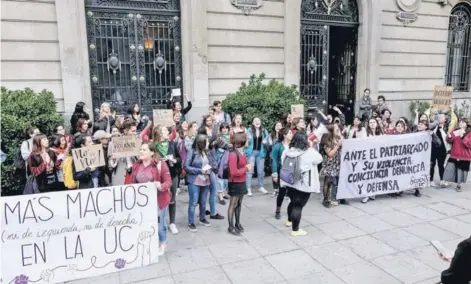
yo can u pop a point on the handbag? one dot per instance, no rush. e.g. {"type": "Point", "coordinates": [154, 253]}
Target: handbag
{"type": "Point", "coordinates": [31, 186]}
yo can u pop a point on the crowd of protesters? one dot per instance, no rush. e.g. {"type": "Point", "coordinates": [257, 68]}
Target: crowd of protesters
{"type": "Point", "coordinates": [216, 160]}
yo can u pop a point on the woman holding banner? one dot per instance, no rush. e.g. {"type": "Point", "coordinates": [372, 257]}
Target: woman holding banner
{"type": "Point", "coordinates": [457, 167]}
{"type": "Point", "coordinates": [152, 168]}
{"type": "Point", "coordinates": [373, 129]}
{"type": "Point", "coordinates": [331, 145]}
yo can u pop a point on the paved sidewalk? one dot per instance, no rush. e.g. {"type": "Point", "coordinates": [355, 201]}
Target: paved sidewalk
{"type": "Point", "coordinates": [385, 241]}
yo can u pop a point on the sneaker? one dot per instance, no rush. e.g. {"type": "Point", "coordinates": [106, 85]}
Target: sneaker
{"type": "Point", "coordinates": [277, 215]}
{"type": "Point", "coordinates": [334, 203]}
{"type": "Point", "coordinates": [222, 202]}
{"type": "Point", "coordinates": [162, 249]}
{"type": "Point", "coordinates": [205, 223]}
{"type": "Point", "coordinates": [365, 200]}
{"type": "Point", "coordinates": [192, 228]}
{"type": "Point", "coordinates": [216, 217]}
{"type": "Point", "coordinates": [262, 190]}
{"type": "Point", "coordinates": [344, 202]}
{"type": "Point", "coordinates": [178, 192]}
{"type": "Point", "coordinates": [417, 193]}
{"type": "Point", "coordinates": [173, 229]}
{"type": "Point", "coordinates": [249, 192]}
{"type": "Point", "coordinates": [458, 188]}
{"type": "Point", "coordinates": [299, 232]}
{"type": "Point", "coordinates": [288, 224]}
{"type": "Point", "coordinates": [433, 184]}
{"type": "Point", "coordinates": [445, 184]}
{"type": "Point", "coordinates": [226, 197]}
{"type": "Point", "coordinates": [239, 228]}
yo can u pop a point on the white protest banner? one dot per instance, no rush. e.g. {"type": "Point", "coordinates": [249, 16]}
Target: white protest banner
{"type": "Point", "coordinates": [126, 146]}
{"type": "Point", "coordinates": [88, 157]}
{"type": "Point", "coordinates": [61, 236]}
{"type": "Point", "coordinates": [384, 164]}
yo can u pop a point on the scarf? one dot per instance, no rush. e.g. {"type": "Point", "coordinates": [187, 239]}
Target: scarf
{"type": "Point", "coordinates": [163, 148]}
{"type": "Point", "coordinates": [226, 137]}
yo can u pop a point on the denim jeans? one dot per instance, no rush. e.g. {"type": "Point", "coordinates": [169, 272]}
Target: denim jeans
{"type": "Point", "coordinates": [212, 193]}
{"type": "Point", "coordinates": [198, 195]}
{"type": "Point", "coordinates": [162, 225]}
{"type": "Point", "coordinates": [222, 185]}
{"type": "Point", "coordinates": [335, 184]}
{"type": "Point", "coordinates": [260, 162]}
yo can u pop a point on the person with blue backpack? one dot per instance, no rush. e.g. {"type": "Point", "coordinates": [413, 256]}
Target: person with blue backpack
{"type": "Point", "coordinates": [256, 152]}
{"type": "Point", "coordinates": [284, 138]}
{"type": "Point", "coordinates": [300, 176]}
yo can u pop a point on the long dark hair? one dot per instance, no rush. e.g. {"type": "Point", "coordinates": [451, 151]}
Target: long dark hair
{"type": "Point", "coordinates": [360, 125]}
{"type": "Point", "coordinates": [274, 135]}
{"type": "Point", "coordinates": [282, 134]}
{"type": "Point", "coordinates": [378, 130]}
{"type": "Point", "coordinates": [205, 117]}
{"type": "Point", "coordinates": [234, 119]}
{"type": "Point", "coordinates": [79, 108]}
{"type": "Point", "coordinates": [131, 109]}
{"type": "Point", "coordinates": [284, 120]}
{"type": "Point", "coordinates": [254, 131]}
{"type": "Point", "coordinates": [200, 143]}
{"type": "Point", "coordinates": [329, 137]}
{"type": "Point", "coordinates": [37, 143]}
{"type": "Point", "coordinates": [300, 141]}
{"type": "Point", "coordinates": [55, 141]}
{"type": "Point", "coordinates": [468, 127]}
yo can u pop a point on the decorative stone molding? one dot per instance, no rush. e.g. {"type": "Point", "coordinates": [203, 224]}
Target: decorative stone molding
{"type": "Point", "coordinates": [408, 7]}
{"type": "Point", "coordinates": [247, 6]}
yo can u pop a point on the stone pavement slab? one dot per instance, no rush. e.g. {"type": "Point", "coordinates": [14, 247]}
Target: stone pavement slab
{"type": "Point", "coordinates": [385, 241]}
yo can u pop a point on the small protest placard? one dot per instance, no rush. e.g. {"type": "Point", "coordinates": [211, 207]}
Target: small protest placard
{"type": "Point", "coordinates": [442, 97]}
{"type": "Point", "coordinates": [297, 111]}
{"type": "Point", "coordinates": [57, 237]}
{"type": "Point", "coordinates": [163, 117]}
{"type": "Point", "coordinates": [384, 164]}
{"type": "Point", "coordinates": [88, 157]}
{"type": "Point", "coordinates": [126, 146]}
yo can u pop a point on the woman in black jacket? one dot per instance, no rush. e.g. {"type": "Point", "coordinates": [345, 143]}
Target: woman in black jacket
{"type": "Point", "coordinates": [79, 113]}
{"type": "Point", "coordinates": [43, 164]}
{"type": "Point", "coordinates": [134, 114]}
{"type": "Point", "coordinates": [168, 151]}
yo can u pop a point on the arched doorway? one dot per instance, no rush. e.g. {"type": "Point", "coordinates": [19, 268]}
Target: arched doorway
{"type": "Point", "coordinates": [329, 32]}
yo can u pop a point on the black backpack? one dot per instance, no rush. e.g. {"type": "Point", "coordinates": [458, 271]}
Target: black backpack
{"type": "Point", "coordinates": [19, 163]}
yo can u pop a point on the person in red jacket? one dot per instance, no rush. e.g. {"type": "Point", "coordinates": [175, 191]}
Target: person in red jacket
{"type": "Point", "coordinates": [151, 168]}
{"type": "Point", "coordinates": [237, 187]}
{"type": "Point", "coordinates": [457, 167]}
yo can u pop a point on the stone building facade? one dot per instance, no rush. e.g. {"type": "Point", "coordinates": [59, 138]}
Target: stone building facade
{"type": "Point", "coordinates": [138, 50]}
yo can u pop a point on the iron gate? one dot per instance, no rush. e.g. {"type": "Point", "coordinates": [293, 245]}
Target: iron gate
{"type": "Point", "coordinates": [328, 53]}
{"type": "Point", "coordinates": [134, 49]}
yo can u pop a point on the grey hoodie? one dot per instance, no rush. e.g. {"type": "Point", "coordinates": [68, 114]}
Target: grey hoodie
{"type": "Point", "coordinates": [308, 160]}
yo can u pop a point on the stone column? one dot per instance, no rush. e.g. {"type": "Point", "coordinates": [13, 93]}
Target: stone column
{"type": "Point", "coordinates": [73, 48]}
{"type": "Point", "coordinates": [195, 61]}
{"type": "Point", "coordinates": [292, 41]}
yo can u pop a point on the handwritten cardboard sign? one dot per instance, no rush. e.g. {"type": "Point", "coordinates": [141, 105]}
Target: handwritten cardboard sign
{"type": "Point", "coordinates": [66, 235]}
{"type": "Point", "coordinates": [442, 97]}
{"type": "Point", "coordinates": [297, 111]}
{"type": "Point", "coordinates": [163, 117]}
{"type": "Point", "coordinates": [88, 157]}
{"type": "Point", "coordinates": [126, 146]}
